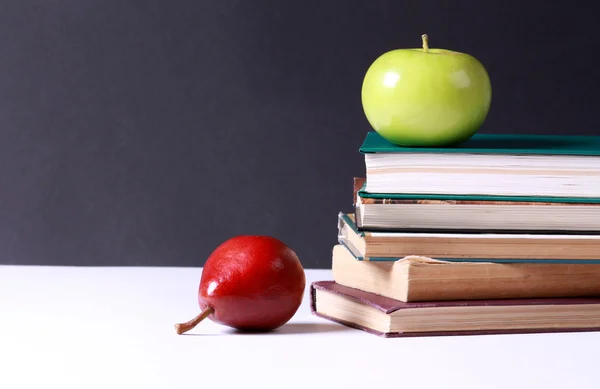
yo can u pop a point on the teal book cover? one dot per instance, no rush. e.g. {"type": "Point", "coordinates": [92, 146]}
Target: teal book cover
{"type": "Point", "coordinates": [525, 144]}
{"type": "Point", "coordinates": [491, 198]}
{"type": "Point", "coordinates": [345, 220]}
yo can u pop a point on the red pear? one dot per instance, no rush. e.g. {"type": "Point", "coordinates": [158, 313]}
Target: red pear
{"type": "Point", "coordinates": [250, 283]}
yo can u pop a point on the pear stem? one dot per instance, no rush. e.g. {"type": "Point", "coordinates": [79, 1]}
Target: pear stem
{"type": "Point", "coordinates": [185, 327]}
{"type": "Point", "coordinates": [425, 42]}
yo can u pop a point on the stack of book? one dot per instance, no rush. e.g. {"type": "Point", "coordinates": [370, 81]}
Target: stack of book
{"type": "Point", "coordinates": [498, 235]}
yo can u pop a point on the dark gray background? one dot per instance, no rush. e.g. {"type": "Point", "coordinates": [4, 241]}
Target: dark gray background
{"type": "Point", "coordinates": [148, 132]}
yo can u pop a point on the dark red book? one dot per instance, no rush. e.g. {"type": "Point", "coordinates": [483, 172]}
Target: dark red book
{"type": "Point", "coordinates": [392, 318]}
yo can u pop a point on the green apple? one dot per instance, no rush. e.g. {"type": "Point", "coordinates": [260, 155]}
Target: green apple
{"type": "Point", "coordinates": [425, 97]}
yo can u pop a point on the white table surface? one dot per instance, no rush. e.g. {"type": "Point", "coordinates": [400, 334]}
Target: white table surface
{"type": "Point", "coordinates": [67, 327]}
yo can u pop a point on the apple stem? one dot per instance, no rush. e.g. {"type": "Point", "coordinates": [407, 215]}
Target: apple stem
{"type": "Point", "coordinates": [185, 327]}
{"type": "Point", "coordinates": [425, 42]}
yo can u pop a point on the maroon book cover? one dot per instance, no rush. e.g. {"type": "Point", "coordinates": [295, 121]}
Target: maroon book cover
{"type": "Point", "coordinates": [388, 306]}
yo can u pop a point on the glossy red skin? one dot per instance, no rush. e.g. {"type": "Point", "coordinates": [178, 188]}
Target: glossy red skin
{"type": "Point", "coordinates": [253, 283]}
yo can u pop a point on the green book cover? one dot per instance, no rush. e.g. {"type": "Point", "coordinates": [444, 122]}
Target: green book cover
{"type": "Point", "coordinates": [502, 144]}
{"type": "Point", "coordinates": [344, 219]}
{"type": "Point", "coordinates": [457, 197]}
{"type": "Point", "coordinates": [497, 144]}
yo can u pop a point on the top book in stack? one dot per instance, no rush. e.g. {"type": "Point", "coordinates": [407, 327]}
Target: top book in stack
{"type": "Point", "coordinates": [487, 165]}
{"type": "Point", "coordinates": [543, 178]}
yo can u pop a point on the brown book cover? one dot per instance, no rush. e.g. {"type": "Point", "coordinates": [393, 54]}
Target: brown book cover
{"type": "Point", "coordinates": [421, 213]}
{"type": "Point", "coordinates": [410, 278]}
{"type": "Point", "coordinates": [358, 183]}
{"type": "Point", "coordinates": [388, 306]}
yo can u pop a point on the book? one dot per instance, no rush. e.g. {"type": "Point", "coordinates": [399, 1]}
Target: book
{"type": "Point", "coordinates": [488, 165]}
{"type": "Point", "coordinates": [470, 214]}
{"type": "Point", "coordinates": [419, 278]}
{"type": "Point", "coordinates": [387, 317]}
{"type": "Point", "coordinates": [390, 246]}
